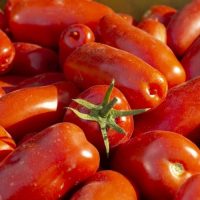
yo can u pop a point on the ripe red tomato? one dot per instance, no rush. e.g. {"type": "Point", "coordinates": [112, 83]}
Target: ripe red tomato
{"type": "Point", "coordinates": [7, 144]}
{"type": "Point", "coordinates": [48, 165]}
{"type": "Point", "coordinates": [114, 31]}
{"type": "Point", "coordinates": [41, 22]}
{"type": "Point", "coordinates": [191, 60]}
{"type": "Point", "coordinates": [184, 27]}
{"type": "Point", "coordinates": [179, 112]}
{"type": "Point", "coordinates": [31, 59]}
{"type": "Point", "coordinates": [95, 130]}
{"type": "Point", "coordinates": [155, 28]}
{"type": "Point", "coordinates": [158, 162]}
{"type": "Point", "coordinates": [95, 63]}
{"type": "Point", "coordinates": [190, 189]}
{"type": "Point", "coordinates": [7, 53]}
{"type": "Point", "coordinates": [106, 185]}
{"type": "Point", "coordinates": [72, 37]}
{"type": "Point", "coordinates": [32, 109]}
{"type": "Point", "coordinates": [160, 13]}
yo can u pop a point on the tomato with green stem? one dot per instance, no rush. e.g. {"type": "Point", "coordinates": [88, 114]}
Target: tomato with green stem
{"type": "Point", "coordinates": [104, 114]}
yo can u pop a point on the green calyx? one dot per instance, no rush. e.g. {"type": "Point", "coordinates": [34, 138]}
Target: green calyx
{"type": "Point", "coordinates": [104, 114]}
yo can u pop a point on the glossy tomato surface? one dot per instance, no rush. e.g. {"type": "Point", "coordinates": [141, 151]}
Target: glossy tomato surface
{"type": "Point", "coordinates": [158, 161]}
{"type": "Point", "coordinates": [48, 165]}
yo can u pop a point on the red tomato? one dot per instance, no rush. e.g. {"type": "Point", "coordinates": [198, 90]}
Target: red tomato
{"type": "Point", "coordinates": [31, 59]}
{"type": "Point", "coordinates": [42, 79]}
{"type": "Point", "coordinates": [2, 20]}
{"type": "Point", "coordinates": [72, 37]}
{"type": "Point", "coordinates": [184, 27]}
{"type": "Point", "coordinates": [7, 53]}
{"type": "Point", "coordinates": [48, 165]}
{"type": "Point", "coordinates": [96, 63]}
{"type": "Point", "coordinates": [128, 18]}
{"type": "Point", "coordinates": [114, 31]}
{"type": "Point", "coordinates": [158, 162]}
{"type": "Point", "coordinates": [190, 189]}
{"type": "Point", "coordinates": [155, 28]}
{"type": "Point", "coordinates": [10, 80]}
{"type": "Point", "coordinates": [106, 185]}
{"type": "Point", "coordinates": [179, 112]}
{"type": "Point", "coordinates": [7, 144]}
{"type": "Point", "coordinates": [160, 13]}
{"type": "Point", "coordinates": [41, 22]}
{"type": "Point", "coordinates": [191, 60]}
{"type": "Point", "coordinates": [32, 109]}
{"type": "Point", "coordinates": [92, 129]}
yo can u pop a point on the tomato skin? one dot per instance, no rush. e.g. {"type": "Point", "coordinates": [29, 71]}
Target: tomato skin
{"type": "Point", "coordinates": [106, 185]}
{"type": "Point", "coordinates": [31, 59]}
{"type": "Point", "coordinates": [155, 28]}
{"type": "Point", "coordinates": [96, 64]}
{"type": "Point", "coordinates": [42, 22]}
{"type": "Point", "coordinates": [42, 79]}
{"type": "Point", "coordinates": [190, 60]}
{"type": "Point", "coordinates": [157, 161]}
{"type": "Point", "coordinates": [2, 20]}
{"type": "Point", "coordinates": [95, 95]}
{"type": "Point", "coordinates": [7, 144]}
{"type": "Point", "coordinates": [7, 53]}
{"type": "Point", "coordinates": [190, 189]}
{"type": "Point", "coordinates": [32, 109]}
{"type": "Point", "coordinates": [184, 27]}
{"type": "Point", "coordinates": [128, 18]}
{"type": "Point", "coordinates": [160, 13]}
{"type": "Point", "coordinates": [114, 31]}
{"type": "Point", "coordinates": [65, 159]}
{"type": "Point", "coordinates": [72, 37]}
{"type": "Point", "coordinates": [179, 112]}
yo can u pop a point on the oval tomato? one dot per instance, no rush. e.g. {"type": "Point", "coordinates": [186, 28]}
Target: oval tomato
{"type": "Point", "coordinates": [32, 59]}
{"type": "Point", "coordinates": [106, 185]}
{"type": "Point", "coordinates": [41, 22]}
{"type": "Point", "coordinates": [95, 63]}
{"type": "Point", "coordinates": [114, 31]}
{"type": "Point", "coordinates": [158, 162]}
{"type": "Point", "coordinates": [31, 109]}
{"type": "Point", "coordinates": [48, 165]}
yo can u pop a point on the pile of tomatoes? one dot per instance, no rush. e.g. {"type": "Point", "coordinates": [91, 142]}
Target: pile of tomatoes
{"type": "Point", "coordinates": [95, 105]}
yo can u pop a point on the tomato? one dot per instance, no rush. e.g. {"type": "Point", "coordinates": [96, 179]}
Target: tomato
{"type": "Point", "coordinates": [184, 27]}
{"type": "Point", "coordinates": [2, 20]}
{"type": "Point", "coordinates": [191, 59]}
{"type": "Point", "coordinates": [160, 13]}
{"type": "Point", "coordinates": [190, 189]}
{"type": "Point", "coordinates": [179, 112]}
{"type": "Point", "coordinates": [114, 31]}
{"type": "Point", "coordinates": [48, 165]}
{"type": "Point", "coordinates": [32, 109]}
{"type": "Point", "coordinates": [158, 162]}
{"type": "Point", "coordinates": [155, 28]}
{"type": "Point", "coordinates": [31, 59]}
{"type": "Point", "coordinates": [10, 80]}
{"type": "Point", "coordinates": [72, 37]}
{"type": "Point", "coordinates": [7, 144]}
{"type": "Point", "coordinates": [96, 131]}
{"type": "Point", "coordinates": [128, 18]}
{"type": "Point", "coordinates": [95, 63]}
{"type": "Point", "coordinates": [42, 79]}
{"type": "Point", "coordinates": [7, 53]}
{"type": "Point", "coordinates": [106, 185]}
{"type": "Point", "coordinates": [41, 22]}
